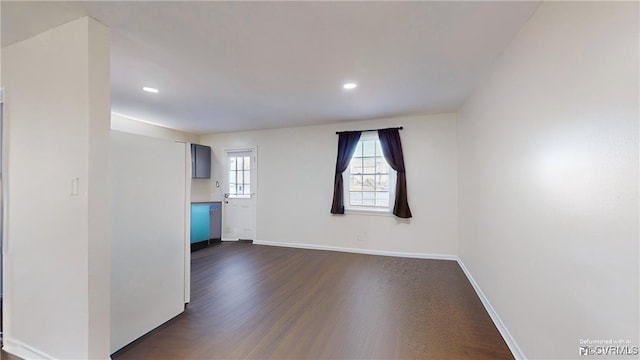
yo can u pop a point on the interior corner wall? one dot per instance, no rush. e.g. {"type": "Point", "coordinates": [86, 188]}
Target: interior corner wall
{"type": "Point", "coordinates": [296, 169]}
{"type": "Point", "coordinates": [548, 174]}
{"type": "Point", "coordinates": [57, 239]}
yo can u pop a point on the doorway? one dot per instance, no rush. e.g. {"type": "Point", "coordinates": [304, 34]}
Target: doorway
{"type": "Point", "coordinates": [239, 205]}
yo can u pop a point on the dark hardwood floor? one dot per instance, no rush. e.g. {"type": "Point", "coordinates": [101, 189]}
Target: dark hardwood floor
{"type": "Point", "coordinates": [260, 302]}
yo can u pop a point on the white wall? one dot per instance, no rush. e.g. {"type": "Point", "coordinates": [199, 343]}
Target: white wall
{"type": "Point", "coordinates": [124, 329]}
{"type": "Point", "coordinates": [548, 169]}
{"type": "Point", "coordinates": [98, 187]}
{"type": "Point", "coordinates": [57, 244]}
{"type": "Point", "coordinates": [295, 186]}
{"type": "Point", "coordinates": [133, 126]}
{"type": "Point", "coordinates": [148, 211]}
{"type": "Point", "coordinates": [200, 188]}
{"type": "Point", "coordinates": [3, 171]}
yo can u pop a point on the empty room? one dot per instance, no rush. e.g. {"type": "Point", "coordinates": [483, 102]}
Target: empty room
{"type": "Point", "coordinates": [320, 180]}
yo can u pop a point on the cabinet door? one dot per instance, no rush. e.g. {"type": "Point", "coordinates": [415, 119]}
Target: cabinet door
{"type": "Point", "coordinates": [200, 222]}
{"type": "Point", "coordinates": [215, 229]}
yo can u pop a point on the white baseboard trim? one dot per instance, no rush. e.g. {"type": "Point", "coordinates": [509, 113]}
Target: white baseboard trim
{"type": "Point", "coordinates": [24, 351]}
{"type": "Point", "coordinates": [359, 251]}
{"type": "Point", "coordinates": [506, 335]}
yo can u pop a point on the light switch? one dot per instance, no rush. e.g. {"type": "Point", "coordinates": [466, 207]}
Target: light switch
{"type": "Point", "coordinates": [75, 186]}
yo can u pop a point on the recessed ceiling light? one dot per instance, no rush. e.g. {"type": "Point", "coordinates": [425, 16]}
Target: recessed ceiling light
{"type": "Point", "coordinates": [349, 86]}
{"type": "Point", "coordinates": [150, 89]}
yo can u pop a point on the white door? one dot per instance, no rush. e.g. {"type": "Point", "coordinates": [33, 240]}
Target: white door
{"type": "Point", "coordinates": [238, 215]}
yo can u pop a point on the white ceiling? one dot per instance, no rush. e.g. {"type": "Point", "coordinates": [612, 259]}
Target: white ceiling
{"type": "Point", "coordinates": [229, 66]}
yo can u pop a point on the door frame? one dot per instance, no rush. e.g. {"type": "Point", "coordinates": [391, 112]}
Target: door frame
{"type": "Point", "coordinates": [254, 187]}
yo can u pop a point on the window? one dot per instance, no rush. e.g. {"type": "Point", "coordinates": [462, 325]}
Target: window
{"type": "Point", "coordinates": [369, 180]}
{"type": "Point", "coordinates": [370, 183]}
{"type": "Point", "coordinates": [239, 175]}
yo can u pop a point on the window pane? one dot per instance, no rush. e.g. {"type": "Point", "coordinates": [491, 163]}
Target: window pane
{"type": "Point", "coordinates": [369, 163]}
{"type": "Point", "coordinates": [369, 148]}
{"type": "Point", "coordinates": [232, 163]}
{"type": "Point", "coordinates": [381, 166]}
{"type": "Point", "coordinates": [368, 182]}
{"type": "Point", "coordinates": [378, 149]}
{"type": "Point", "coordinates": [246, 177]}
{"type": "Point", "coordinates": [240, 189]}
{"type": "Point", "coordinates": [358, 151]}
{"type": "Point", "coordinates": [239, 163]}
{"type": "Point", "coordinates": [356, 183]}
{"type": "Point", "coordinates": [369, 170]}
{"type": "Point", "coordinates": [240, 177]}
{"type": "Point", "coordinates": [382, 182]}
{"type": "Point", "coordinates": [232, 189]}
{"type": "Point", "coordinates": [368, 198]}
{"type": "Point", "coordinates": [247, 163]}
{"type": "Point", "coordinates": [382, 199]}
{"type": "Point", "coordinates": [355, 198]}
{"type": "Point", "coordinates": [356, 166]}
{"type": "Point", "coordinates": [232, 176]}
{"type": "Point", "coordinates": [247, 189]}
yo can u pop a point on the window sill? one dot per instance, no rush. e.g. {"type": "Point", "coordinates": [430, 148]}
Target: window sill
{"type": "Point", "coordinates": [368, 212]}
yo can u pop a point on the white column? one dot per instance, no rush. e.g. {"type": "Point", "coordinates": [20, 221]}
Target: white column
{"type": "Point", "coordinates": [58, 222]}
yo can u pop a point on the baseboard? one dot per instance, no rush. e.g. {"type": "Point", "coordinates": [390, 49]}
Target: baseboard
{"type": "Point", "coordinates": [506, 335]}
{"type": "Point", "coordinates": [23, 350]}
{"type": "Point", "coordinates": [359, 251]}
{"type": "Point", "coordinates": [203, 244]}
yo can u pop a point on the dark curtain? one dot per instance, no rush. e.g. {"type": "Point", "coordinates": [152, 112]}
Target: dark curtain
{"type": "Point", "coordinates": [392, 151]}
{"type": "Point", "coordinates": [347, 143]}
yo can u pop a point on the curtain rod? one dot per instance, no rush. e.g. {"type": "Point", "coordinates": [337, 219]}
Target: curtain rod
{"type": "Point", "coordinates": [344, 132]}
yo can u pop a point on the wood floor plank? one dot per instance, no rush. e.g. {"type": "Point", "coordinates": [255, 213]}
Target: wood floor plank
{"type": "Point", "coordinates": [261, 302]}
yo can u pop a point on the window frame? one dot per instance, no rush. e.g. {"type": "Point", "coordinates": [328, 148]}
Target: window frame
{"type": "Point", "coordinates": [245, 194]}
{"type": "Point", "coordinates": [368, 209]}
